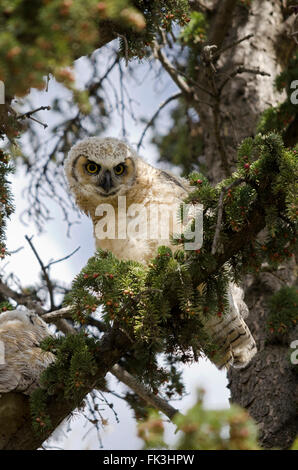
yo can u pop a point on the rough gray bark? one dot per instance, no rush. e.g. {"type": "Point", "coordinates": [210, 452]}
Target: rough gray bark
{"type": "Point", "coordinates": [247, 95]}
{"type": "Point", "coordinates": [267, 387]}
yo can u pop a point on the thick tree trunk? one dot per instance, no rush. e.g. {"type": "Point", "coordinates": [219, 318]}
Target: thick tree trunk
{"type": "Point", "coordinates": [247, 95]}
{"type": "Point", "coordinates": [268, 386]}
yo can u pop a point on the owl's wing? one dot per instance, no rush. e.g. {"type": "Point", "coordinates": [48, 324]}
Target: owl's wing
{"type": "Point", "coordinates": [10, 374]}
{"type": "Point", "coordinates": [236, 345]}
{"type": "Point", "coordinates": [9, 379]}
{"type": "Point", "coordinates": [181, 183]}
{"type": "Point", "coordinates": [238, 295]}
{"type": "Point", "coordinates": [22, 372]}
{"type": "Point", "coordinates": [22, 360]}
{"type": "Point", "coordinates": [33, 363]}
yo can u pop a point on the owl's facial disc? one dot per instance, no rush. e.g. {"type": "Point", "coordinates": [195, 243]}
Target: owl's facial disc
{"type": "Point", "coordinates": [105, 177]}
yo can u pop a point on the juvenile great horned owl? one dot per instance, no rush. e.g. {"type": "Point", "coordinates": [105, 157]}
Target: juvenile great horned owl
{"type": "Point", "coordinates": [21, 359]}
{"type": "Point", "coordinates": [100, 172]}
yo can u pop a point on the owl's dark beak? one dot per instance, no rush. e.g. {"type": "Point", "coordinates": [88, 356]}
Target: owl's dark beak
{"type": "Point", "coordinates": [106, 181]}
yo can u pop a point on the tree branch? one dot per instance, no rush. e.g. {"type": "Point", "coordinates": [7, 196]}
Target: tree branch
{"type": "Point", "coordinates": [28, 115]}
{"type": "Point", "coordinates": [21, 299]}
{"type": "Point", "coordinates": [154, 400]}
{"type": "Point", "coordinates": [149, 124]}
{"type": "Point", "coordinates": [53, 317]}
{"type": "Point", "coordinates": [242, 69]}
{"type": "Point", "coordinates": [233, 44]}
{"type": "Point", "coordinates": [43, 268]}
{"type": "Point", "coordinates": [100, 325]}
{"type": "Point", "coordinates": [174, 74]}
{"type": "Point", "coordinates": [27, 301]}
{"type": "Point", "coordinates": [121, 374]}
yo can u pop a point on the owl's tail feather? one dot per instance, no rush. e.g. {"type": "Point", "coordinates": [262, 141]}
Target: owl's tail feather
{"type": "Point", "coordinates": [236, 345]}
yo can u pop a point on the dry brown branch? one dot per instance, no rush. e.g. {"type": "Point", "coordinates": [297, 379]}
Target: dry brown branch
{"type": "Point", "coordinates": [21, 299]}
{"type": "Point", "coordinates": [150, 123]}
{"type": "Point", "coordinates": [230, 46]}
{"type": "Point", "coordinates": [123, 37]}
{"type": "Point", "coordinates": [195, 85]}
{"type": "Point", "coordinates": [29, 113]}
{"type": "Point", "coordinates": [239, 70]}
{"type": "Point", "coordinates": [43, 268]}
{"type": "Point", "coordinates": [53, 317]}
{"type": "Point", "coordinates": [34, 304]}
{"type": "Point", "coordinates": [176, 77]}
{"type": "Point", "coordinates": [153, 400]}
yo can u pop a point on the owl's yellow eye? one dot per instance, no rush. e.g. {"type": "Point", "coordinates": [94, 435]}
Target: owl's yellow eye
{"type": "Point", "coordinates": [119, 169]}
{"type": "Point", "coordinates": [92, 168]}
